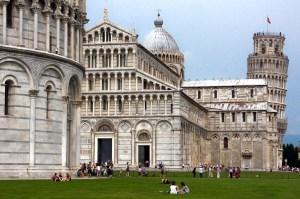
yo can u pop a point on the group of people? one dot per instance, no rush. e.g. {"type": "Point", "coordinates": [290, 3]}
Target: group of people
{"type": "Point", "coordinates": [234, 172]}
{"type": "Point", "coordinates": [96, 169]}
{"type": "Point", "coordinates": [60, 178]}
{"type": "Point", "coordinates": [290, 169]}
{"type": "Point", "coordinates": [213, 170]}
{"type": "Point", "coordinates": [181, 189]}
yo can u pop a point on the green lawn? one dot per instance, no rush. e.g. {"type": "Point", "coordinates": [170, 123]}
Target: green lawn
{"type": "Point", "coordinates": [266, 185]}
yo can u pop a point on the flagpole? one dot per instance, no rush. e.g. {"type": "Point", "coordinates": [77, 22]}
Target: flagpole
{"type": "Point", "coordinates": [267, 24]}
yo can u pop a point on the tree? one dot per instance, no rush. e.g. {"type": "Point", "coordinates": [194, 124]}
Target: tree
{"type": "Point", "coordinates": [291, 154]}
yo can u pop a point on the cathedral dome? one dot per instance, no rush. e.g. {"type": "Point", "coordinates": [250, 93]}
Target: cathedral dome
{"type": "Point", "coordinates": [159, 40]}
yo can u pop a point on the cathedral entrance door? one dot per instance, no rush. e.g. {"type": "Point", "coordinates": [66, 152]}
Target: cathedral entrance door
{"type": "Point", "coordinates": [104, 150]}
{"type": "Point", "coordinates": [144, 155]}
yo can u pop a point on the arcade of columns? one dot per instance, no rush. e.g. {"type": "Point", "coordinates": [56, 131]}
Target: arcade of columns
{"type": "Point", "coordinates": [70, 17]}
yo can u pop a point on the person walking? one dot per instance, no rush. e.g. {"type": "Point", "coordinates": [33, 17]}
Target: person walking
{"type": "Point", "coordinates": [194, 172]}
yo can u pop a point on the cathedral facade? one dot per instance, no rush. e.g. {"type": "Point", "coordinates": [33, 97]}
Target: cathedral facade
{"type": "Point", "coordinates": [40, 74]}
{"type": "Point", "coordinates": [137, 108]}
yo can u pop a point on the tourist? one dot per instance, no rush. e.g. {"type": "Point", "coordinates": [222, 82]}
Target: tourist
{"type": "Point", "coordinates": [201, 171]}
{"type": "Point", "coordinates": [55, 178]}
{"type": "Point", "coordinates": [194, 172]}
{"type": "Point", "coordinates": [238, 173]}
{"type": "Point", "coordinates": [127, 169]}
{"type": "Point", "coordinates": [98, 170]}
{"type": "Point", "coordinates": [230, 172]}
{"type": "Point", "coordinates": [218, 172]}
{"type": "Point", "coordinates": [184, 189]}
{"type": "Point", "coordinates": [140, 170]}
{"type": "Point", "coordinates": [210, 173]}
{"type": "Point", "coordinates": [67, 178]}
{"type": "Point", "coordinates": [165, 181]}
{"type": "Point", "coordinates": [173, 188]}
{"type": "Point", "coordinates": [60, 177]}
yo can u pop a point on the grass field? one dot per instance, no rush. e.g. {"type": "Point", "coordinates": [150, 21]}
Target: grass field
{"type": "Point", "coordinates": [251, 185]}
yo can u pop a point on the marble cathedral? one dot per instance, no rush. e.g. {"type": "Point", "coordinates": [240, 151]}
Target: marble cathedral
{"type": "Point", "coordinates": [137, 107]}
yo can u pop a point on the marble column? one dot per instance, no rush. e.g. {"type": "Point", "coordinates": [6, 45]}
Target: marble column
{"type": "Point", "coordinates": [33, 95]}
{"type": "Point", "coordinates": [66, 37]}
{"type": "Point", "coordinates": [100, 103]}
{"type": "Point", "coordinates": [86, 105]}
{"type": "Point", "coordinates": [129, 106]}
{"type": "Point", "coordinates": [165, 106]}
{"type": "Point", "coordinates": [94, 82]}
{"type": "Point", "coordinates": [57, 18]}
{"type": "Point", "coordinates": [100, 82]}
{"type": "Point", "coordinates": [64, 131]}
{"type": "Point", "coordinates": [116, 81]}
{"type": "Point", "coordinates": [78, 29]}
{"type": "Point", "coordinates": [87, 82]}
{"type": "Point", "coordinates": [35, 8]}
{"type": "Point", "coordinates": [21, 5]}
{"type": "Point", "coordinates": [116, 100]}
{"type": "Point", "coordinates": [129, 81]}
{"type": "Point", "coordinates": [93, 101]}
{"type": "Point", "coordinates": [47, 12]}
{"type": "Point", "coordinates": [4, 19]}
{"type": "Point", "coordinates": [151, 105]}
{"type": "Point", "coordinates": [72, 38]}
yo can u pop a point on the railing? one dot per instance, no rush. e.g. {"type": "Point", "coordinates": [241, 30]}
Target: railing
{"type": "Point", "coordinates": [282, 124]}
{"type": "Point", "coordinates": [269, 34]}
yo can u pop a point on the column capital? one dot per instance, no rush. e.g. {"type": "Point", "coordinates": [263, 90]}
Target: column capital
{"type": "Point", "coordinates": [35, 7]}
{"type": "Point", "coordinates": [33, 92]}
{"type": "Point", "coordinates": [4, 2]}
{"type": "Point", "coordinates": [65, 19]}
{"type": "Point", "coordinates": [20, 4]}
{"type": "Point", "coordinates": [66, 99]}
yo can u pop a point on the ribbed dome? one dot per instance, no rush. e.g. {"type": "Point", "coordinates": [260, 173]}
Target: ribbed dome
{"type": "Point", "coordinates": [159, 40]}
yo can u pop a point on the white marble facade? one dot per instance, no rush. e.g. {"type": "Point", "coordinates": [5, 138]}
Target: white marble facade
{"type": "Point", "coordinates": [40, 86]}
{"type": "Point", "coordinates": [134, 95]}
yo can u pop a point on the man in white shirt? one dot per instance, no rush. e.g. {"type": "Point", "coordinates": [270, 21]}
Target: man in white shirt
{"type": "Point", "coordinates": [201, 171]}
{"type": "Point", "coordinates": [173, 188]}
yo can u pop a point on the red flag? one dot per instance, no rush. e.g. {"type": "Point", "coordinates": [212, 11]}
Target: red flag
{"type": "Point", "coordinates": [268, 20]}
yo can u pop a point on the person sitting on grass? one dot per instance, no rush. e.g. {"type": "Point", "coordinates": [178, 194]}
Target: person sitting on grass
{"type": "Point", "coordinates": [173, 188]}
{"type": "Point", "coordinates": [67, 178]}
{"type": "Point", "coordinates": [55, 178]}
{"type": "Point", "coordinates": [60, 177]}
{"type": "Point", "coordinates": [164, 180]}
{"type": "Point", "coordinates": [184, 189]}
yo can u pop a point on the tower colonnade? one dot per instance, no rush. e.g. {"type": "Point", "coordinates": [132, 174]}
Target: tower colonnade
{"type": "Point", "coordinates": [57, 26]}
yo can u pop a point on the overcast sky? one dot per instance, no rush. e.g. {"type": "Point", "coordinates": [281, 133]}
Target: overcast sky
{"type": "Point", "coordinates": [215, 35]}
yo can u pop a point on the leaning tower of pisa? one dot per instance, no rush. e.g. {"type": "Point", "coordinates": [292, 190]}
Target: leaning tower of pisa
{"type": "Point", "coordinates": [269, 62]}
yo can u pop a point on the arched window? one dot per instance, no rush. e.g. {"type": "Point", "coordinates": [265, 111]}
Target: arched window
{"type": "Point", "coordinates": [9, 14]}
{"type": "Point", "coordinates": [8, 87]}
{"type": "Point", "coordinates": [48, 93]}
{"type": "Point", "coordinates": [261, 64]}
{"type": "Point", "coordinates": [120, 105]}
{"type": "Point", "coordinates": [105, 104]}
{"type": "Point", "coordinates": [233, 94]}
{"type": "Point", "coordinates": [119, 84]}
{"type": "Point", "coordinates": [215, 94]}
{"type": "Point", "coordinates": [251, 92]}
{"type": "Point", "coordinates": [91, 105]}
{"type": "Point", "coordinates": [263, 48]}
{"type": "Point", "coordinates": [90, 82]}
{"type": "Point", "coordinates": [199, 95]}
{"type": "Point", "coordinates": [105, 84]}
{"type": "Point", "coordinates": [225, 143]}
